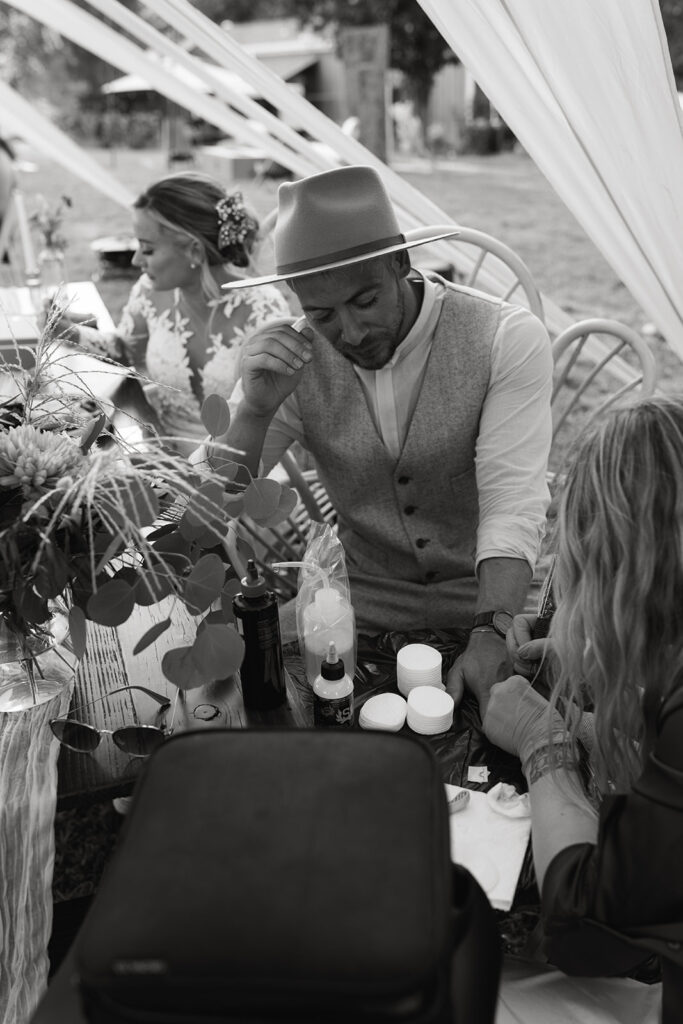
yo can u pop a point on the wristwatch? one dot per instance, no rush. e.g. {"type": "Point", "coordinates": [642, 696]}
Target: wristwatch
{"type": "Point", "coordinates": [499, 621]}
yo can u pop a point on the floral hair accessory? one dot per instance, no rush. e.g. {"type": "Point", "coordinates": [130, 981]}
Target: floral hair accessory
{"type": "Point", "coordinates": [234, 223]}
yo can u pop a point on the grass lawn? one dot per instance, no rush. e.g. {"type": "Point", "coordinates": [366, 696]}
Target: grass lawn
{"type": "Point", "coordinates": [504, 195]}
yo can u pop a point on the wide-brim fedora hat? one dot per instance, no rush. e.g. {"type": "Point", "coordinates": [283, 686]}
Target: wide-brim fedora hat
{"type": "Point", "coordinates": [333, 219]}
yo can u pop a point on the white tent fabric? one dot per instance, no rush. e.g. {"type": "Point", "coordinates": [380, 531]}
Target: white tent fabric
{"type": "Point", "coordinates": [587, 88]}
{"type": "Point", "coordinates": [21, 118]}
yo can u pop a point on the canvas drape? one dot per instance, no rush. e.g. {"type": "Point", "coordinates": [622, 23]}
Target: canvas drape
{"type": "Point", "coordinates": [587, 88]}
{"type": "Point", "coordinates": [21, 117]}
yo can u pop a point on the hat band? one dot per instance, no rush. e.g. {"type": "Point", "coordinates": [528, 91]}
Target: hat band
{"type": "Point", "coordinates": [341, 254]}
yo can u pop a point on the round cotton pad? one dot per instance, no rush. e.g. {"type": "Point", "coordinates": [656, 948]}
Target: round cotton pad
{"type": "Point", "coordinates": [430, 710]}
{"type": "Point", "coordinates": [386, 711]}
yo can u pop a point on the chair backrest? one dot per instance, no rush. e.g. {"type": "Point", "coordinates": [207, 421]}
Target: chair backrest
{"type": "Point", "coordinates": [484, 262]}
{"type": "Point", "coordinates": [598, 363]}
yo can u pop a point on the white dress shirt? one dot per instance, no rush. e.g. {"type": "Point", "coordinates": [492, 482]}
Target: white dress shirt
{"type": "Point", "coordinates": [514, 431]}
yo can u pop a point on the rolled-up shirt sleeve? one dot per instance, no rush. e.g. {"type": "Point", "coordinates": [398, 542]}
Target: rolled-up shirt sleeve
{"type": "Point", "coordinates": [285, 428]}
{"type": "Point", "coordinates": [514, 440]}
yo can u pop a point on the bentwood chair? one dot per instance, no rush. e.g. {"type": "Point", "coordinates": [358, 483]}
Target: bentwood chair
{"type": "Point", "coordinates": [481, 261]}
{"type": "Point", "coordinates": [598, 363]}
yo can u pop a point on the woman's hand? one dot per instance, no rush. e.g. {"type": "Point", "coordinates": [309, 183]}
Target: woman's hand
{"type": "Point", "coordinates": [525, 653]}
{"type": "Point", "coordinates": [62, 327]}
{"type": "Point", "coordinates": [519, 720]}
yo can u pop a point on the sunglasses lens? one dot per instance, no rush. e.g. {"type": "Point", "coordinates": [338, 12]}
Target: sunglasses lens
{"type": "Point", "coordinates": [76, 735]}
{"type": "Point", "coordinates": [138, 741]}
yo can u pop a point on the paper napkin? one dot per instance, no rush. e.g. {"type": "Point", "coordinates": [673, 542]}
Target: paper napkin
{"type": "Point", "coordinates": [490, 845]}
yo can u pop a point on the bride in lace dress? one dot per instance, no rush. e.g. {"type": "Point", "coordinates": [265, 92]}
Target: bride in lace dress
{"type": "Point", "coordinates": [178, 328]}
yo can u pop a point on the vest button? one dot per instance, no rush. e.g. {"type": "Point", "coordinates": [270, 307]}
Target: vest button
{"type": "Point", "coordinates": [409, 509]}
{"type": "Point", "coordinates": [404, 479]}
{"type": "Point", "coordinates": [422, 542]}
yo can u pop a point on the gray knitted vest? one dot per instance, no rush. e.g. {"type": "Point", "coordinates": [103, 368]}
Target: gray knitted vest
{"type": "Point", "coordinates": [408, 526]}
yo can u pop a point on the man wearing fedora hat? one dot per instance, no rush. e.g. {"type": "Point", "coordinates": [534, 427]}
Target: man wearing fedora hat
{"type": "Point", "coordinates": [426, 407]}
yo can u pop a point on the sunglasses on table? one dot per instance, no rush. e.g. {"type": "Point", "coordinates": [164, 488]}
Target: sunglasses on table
{"type": "Point", "coordinates": [136, 740]}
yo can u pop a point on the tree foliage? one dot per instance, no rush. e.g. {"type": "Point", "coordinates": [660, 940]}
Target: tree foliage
{"type": "Point", "coordinates": [672, 16]}
{"type": "Point", "coordinates": [417, 48]}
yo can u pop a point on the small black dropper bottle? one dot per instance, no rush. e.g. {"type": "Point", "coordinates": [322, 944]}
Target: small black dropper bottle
{"type": "Point", "coordinates": [333, 693]}
{"type": "Point", "coordinates": [258, 622]}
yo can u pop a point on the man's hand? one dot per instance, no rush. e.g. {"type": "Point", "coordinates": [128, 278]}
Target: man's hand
{"type": "Point", "coordinates": [273, 361]}
{"type": "Point", "coordinates": [524, 653]}
{"type": "Point", "coordinates": [482, 663]}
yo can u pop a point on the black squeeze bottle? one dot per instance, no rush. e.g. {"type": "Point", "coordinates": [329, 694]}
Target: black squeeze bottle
{"type": "Point", "coordinates": [258, 623]}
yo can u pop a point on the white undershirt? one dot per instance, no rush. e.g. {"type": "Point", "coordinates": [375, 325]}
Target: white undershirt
{"type": "Point", "coordinates": [514, 430]}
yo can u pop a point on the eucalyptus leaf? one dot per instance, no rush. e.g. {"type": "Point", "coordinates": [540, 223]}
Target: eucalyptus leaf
{"type": "Point", "coordinates": [234, 504]}
{"type": "Point", "coordinates": [179, 667]}
{"type": "Point", "coordinates": [128, 574]}
{"type": "Point", "coordinates": [231, 588]}
{"type": "Point", "coordinates": [226, 468]}
{"type": "Point", "coordinates": [152, 587]}
{"type": "Point", "coordinates": [151, 635]}
{"type": "Point", "coordinates": [215, 415]}
{"type": "Point", "coordinates": [92, 431]}
{"type": "Point", "coordinates": [112, 604]}
{"type": "Point", "coordinates": [77, 631]}
{"type": "Point", "coordinates": [262, 498]}
{"type": "Point", "coordinates": [30, 605]}
{"type": "Point", "coordinates": [204, 584]}
{"type": "Point", "coordinates": [288, 502]}
{"type": "Point", "coordinates": [218, 651]}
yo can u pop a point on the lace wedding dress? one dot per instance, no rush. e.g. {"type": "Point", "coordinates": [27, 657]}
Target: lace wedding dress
{"type": "Point", "coordinates": [154, 335]}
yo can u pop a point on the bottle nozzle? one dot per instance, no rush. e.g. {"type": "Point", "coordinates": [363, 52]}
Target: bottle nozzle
{"type": "Point", "coordinates": [253, 584]}
{"type": "Point", "coordinates": [332, 667]}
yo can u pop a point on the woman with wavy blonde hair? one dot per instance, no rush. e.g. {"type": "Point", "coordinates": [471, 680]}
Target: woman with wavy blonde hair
{"type": "Point", "coordinates": [611, 876]}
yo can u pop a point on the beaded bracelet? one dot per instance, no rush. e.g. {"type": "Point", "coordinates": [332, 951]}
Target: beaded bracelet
{"type": "Point", "coordinates": [549, 758]}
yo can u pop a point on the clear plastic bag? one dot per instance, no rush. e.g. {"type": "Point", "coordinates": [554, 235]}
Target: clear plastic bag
{"type": "Point", "coordinates": [323, 603]}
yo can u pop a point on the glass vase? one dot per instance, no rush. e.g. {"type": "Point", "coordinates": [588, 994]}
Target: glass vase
{"type": "Point", "coordinates": [33, 666]}
{"type": "Point", "coordinates": [52, 269]}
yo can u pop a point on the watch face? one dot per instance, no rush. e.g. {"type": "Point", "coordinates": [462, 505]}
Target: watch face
{"type": "Point", "coordinates": [501, 622]}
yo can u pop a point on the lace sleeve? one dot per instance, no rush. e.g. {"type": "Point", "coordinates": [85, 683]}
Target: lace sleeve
{"type": "Point", "coordinates": [133, 330]}
{"type": "Point", "coordinates": [128, 343]}
{"type": "Point", "coordinates": [266, 303]}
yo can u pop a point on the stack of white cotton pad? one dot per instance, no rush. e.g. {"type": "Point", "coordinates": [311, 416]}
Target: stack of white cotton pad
{"type": "Point", "coordinates": [430, 710]}
{"type": "Point", "coordinates": [418, 665]}
{"type": "Point", "coordinates": [386, 711]}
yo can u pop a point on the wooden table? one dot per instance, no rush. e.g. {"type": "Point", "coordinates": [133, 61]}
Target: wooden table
{"type": "Point", "coordinates": [109, 663]}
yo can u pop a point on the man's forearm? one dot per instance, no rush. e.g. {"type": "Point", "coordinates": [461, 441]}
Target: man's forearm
{"type": "Point", "coordinates": [503, 583]}
{"type": "Point", "coordinates": [245, 437]}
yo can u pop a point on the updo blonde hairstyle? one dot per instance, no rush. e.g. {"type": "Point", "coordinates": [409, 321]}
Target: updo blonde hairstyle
{"type": "Point", "coordinates": [186, 204]}
{"type": "Point", "coordinates": [618, 629]}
